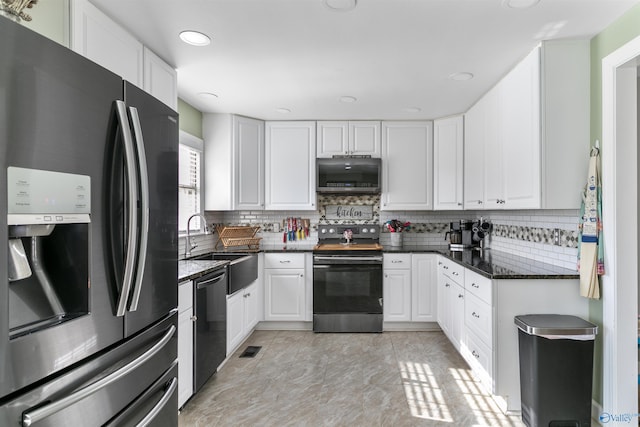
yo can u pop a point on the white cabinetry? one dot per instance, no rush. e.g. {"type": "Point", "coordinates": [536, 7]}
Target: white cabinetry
{"type": "Point", "coordinates": [290, 172]}
{"type": "Point", "coordinates": [532, 127]}
{"type": "Point", "coordinates": [448, 145]}
{"type": "Point", "coordinates": [396, 287]}
{"type": "Point", "coordinates": [234, 162]}
{"type": "Point", "coordinates": [348, 138]}
{"type": "Point", "coordinates": [451, 297]}
{"type": "Point", "coordinates": [285, 287]}
{"type": "Point", "coordinates": [160, 79]}
{"type": "Point", "coordinates": [97, 37]}
{"type": "Point", "coordinates": [409, 287]}
{"type": "Point", "coordinates": [423, 288]}
{"type": "Point", "coordinates": [242, 315]}
{"type": "Point", "coordinates": [407, 165]}
{"type": "Point", "coordinates": [185, 342]}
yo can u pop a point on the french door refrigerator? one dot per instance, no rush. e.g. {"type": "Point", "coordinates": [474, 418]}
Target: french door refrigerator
{"type": "Point", "coordinates": [88, 273]}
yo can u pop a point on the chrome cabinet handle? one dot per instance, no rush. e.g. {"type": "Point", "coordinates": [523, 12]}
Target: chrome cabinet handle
{"type": "Point", "coordinates": [475, 354]}
{"type": "Point", "coordinates": [31, 417]}
{"type": "Point", "coordinates": [479, 202]}
{"type": "Point", "coordinates": [474, 314]}
{"type": "Point", "coordinates": [144, 207]}
{"type": "Point", "coordinates": [160, 405]}
{"type": "Point", "coordinates": [285, 261]}
{"type": "Point", "coordinates": [455, 273]}
{"type": "Point", "coordinates": [475, 285]}
{"type": "Point", "coordinates": [380, 301]}
{"type": "Point", "coordinates": [460, 296]}
{"type": "Point", "coordinates": [194, 318]}
{"type": "Point", "coordinates": [132, 220]}
{"type": "Point", "coordinates": [446, 285]}
{"type": "Point", "coordinates": [396, 261]}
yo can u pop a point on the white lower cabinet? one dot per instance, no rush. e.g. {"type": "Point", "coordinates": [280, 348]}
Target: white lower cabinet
{"type": "Point", "coordinates": [285, 287]}
{"type": "Point", "coordinates": [451, 297]}
{"type": "Point", "coordinates": [185, 342]}
{"type": "Point", "coordinates": [242, 315]}
{"type": "Point", "coordinates": [409, 287]}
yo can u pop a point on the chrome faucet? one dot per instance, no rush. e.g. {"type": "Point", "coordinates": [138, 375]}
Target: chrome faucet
{"type": "Point", "coordinates": [188, 247]}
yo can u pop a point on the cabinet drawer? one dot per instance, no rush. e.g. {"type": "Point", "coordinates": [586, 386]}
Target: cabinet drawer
{"type": "Point", "coordinates": [396, 261]}
{"type": "Point", "coordinates": [283, 260]}
{"type": "Point", "coordinates": [479, 285]}
{"type": "Point", "coordinates": [478, 318]}
{"type": "Point", "coordinates": [452, 270]}
{"type": "Point", "coordinates": [185, 296]}
{"type": "Point", "coordinates": [480, 359]}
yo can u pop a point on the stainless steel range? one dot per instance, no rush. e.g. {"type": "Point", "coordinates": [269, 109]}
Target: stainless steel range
{"type": "Point", "coordinates": [347, 279]}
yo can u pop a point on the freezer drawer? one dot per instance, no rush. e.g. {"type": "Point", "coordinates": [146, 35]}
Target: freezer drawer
{"type": "Point", "coordinates": [94, 392]}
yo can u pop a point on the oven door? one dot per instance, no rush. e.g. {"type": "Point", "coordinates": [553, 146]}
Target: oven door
{"type": "Point", "coordinates": [347, 284]}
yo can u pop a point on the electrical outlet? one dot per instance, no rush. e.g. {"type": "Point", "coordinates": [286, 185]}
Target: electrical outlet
{"type": "Point", "coordinates": [556, 236]}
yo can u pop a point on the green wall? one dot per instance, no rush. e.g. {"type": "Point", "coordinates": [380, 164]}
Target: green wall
{"type": "Point", "coordinates": [611, 38]}
{"type": "Point", "coordinates": [51, 19]}
{"type": "Point", "coordinates": [190, 119]}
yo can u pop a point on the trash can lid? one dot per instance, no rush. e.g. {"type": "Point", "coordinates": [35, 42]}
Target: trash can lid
{"type": "Point", "coordinates": [556, 325]}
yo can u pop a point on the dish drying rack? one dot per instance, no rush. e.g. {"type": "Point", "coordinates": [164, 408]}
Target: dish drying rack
{"type": "Point", "coordinates": [238, 235]}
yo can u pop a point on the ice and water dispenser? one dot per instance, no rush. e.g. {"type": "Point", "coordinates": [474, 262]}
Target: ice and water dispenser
{"type": "Point", "coordinates": [48, 217]}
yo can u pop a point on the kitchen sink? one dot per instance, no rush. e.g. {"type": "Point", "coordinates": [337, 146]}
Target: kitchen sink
{"type": "Point", "coordinates": [243, 268]}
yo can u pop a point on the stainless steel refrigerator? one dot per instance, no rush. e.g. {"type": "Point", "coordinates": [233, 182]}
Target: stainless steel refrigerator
{"type": "Point", "coordinates": [88, 292]}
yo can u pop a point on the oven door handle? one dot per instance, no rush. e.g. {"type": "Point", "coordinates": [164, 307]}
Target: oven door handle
{"type": "Point", "coordinates": [347, 258]}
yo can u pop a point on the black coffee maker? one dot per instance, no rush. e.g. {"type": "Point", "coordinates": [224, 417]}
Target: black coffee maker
{"type": "Point", "coordinates": [467, 234]}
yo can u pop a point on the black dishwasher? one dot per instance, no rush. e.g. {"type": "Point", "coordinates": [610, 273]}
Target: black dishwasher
{"type": "Point", "coordinates": [210, 337]}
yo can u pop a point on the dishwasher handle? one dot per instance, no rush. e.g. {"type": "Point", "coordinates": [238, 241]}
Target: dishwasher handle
{"type": "Point", "coordinates": [211, 281]}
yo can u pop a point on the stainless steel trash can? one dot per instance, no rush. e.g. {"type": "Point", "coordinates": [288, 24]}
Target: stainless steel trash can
{"type": "Point", "coordinates": [556, 369]}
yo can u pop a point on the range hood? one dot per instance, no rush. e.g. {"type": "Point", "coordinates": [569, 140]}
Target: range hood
{"type": "Point", "coordinates": [353, 175]}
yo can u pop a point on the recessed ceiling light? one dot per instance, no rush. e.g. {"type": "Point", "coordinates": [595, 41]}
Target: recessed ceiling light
{"type": "Point", "coordinates": [461, 76]}
{"type": "Point", "coordinates": [340, 5]}
{"type": "Point", "coordinates": [413, 109]}
{"type": "Point", "coordinates": [348, 99]}
{"type": "Point", "coordinates": [283, 110]}
{"type": "Point", "coordinates": [208, 95]}
{"type": "Point", "coordinates": [519, 4]}
{"type": "Point", "coordinates": [195, 38]}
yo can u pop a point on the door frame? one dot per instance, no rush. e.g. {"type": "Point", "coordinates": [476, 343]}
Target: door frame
{"type": "Point", "coordinates": [620, 224]}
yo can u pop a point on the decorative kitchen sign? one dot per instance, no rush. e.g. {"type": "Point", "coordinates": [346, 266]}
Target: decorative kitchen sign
{"type": "Point", "coordinates": [348, 212]}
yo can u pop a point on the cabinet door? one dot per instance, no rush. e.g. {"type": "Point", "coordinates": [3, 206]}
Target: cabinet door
{"type": "Point", "coordinates": [520, 126]}
{"type": "Point", "coordinates": [332, 138]}
{"type": "Point", "coordinates": [396, 292]}
{"type": "Point", "coordinates": [474, 153]}
{"type": "Point", "coordinates": [285, 294]}
{"type": "Point", "coordinates": [185, 342]}
{"type": "Point", "coordinates": [250, 308]}
{"type": "Point", "coordinates": [160, 79]}
{"type": "Point", "coordinates": [456, 305]}
{"type": "Point", "coordinates": [493, 176]}
{"type": "Point", "coordinates": [235, 321]}
{"type": "Point", "coordinates": [364, 138]}
{"type": "Point", "coordinates": [248, 140]}
{"type": "Point", "coordinates": [95, 36]}
{"type": "Point", "coordinates": [448, 163]}
{"type": "Point", "coordinates": [442, 311]}
{"type": "Point", "coordinates": [423, 288]}
{"type": "Point", "coordinates": [407, 166]}
{"type": "Point", "coordinates": [290, 163]}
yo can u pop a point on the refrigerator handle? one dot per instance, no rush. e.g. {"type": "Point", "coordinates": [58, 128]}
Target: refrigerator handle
{"type": "Point", "coordinates": [132, 220]}
{"type": "Point", "coordinates": [144, 207]}
{"type": "Point", "coordinates": [30, 417]}
{"type": "Point", "coordinates": [166, 398]}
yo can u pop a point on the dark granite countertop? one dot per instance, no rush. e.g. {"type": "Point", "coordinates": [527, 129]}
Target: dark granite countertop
{"type": "Point", "coordinates": [494, 264]}
{"type": "Point", "coordinates": [489, 263]}
{"type": "Point", "coordinates": [191, 269]}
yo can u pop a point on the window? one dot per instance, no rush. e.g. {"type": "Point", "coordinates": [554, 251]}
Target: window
{"type": "Point", "coordinates": [189, 182]}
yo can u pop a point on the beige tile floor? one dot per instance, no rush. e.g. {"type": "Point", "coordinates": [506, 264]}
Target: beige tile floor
{"type": "Point", "coordinates": [305, 379]}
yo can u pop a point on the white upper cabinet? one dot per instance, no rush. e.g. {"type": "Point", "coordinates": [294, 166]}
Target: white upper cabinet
{"type": "Point", "coordinates": [448, 146]}
{"type": "Point", "coordinates": [290, 165]}
{"type": "Point", "coordinates": [95, 36]}
{"type": "Point", "coordinates": [233, 162]}
{"type": "Point", "coordinates": [533, 127]}
{"type": "Point", "coordinates": [474, 152]}
{"type": "Point", "coordinates": [160, 79]}
{"type": "Point", "coordinates": [407, 165]}
{"type": "Point", "coordinates": [348, 138]}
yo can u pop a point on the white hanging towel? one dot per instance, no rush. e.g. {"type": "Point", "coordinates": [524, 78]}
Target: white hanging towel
{"type": "Point", "coordinates": [590, 254]}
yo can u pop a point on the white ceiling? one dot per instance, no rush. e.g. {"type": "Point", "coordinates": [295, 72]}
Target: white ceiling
{"type": "Point", "coordinates": [389, 54]}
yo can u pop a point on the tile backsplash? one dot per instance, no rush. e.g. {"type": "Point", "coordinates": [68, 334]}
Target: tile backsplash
{"type": "Point", "coordinates": [529, 234]}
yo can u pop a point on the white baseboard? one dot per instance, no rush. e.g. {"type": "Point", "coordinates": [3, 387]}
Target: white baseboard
{"type": "Point", "coordinates": [410, 326]}
{"type": "Point", "coordinates": [596, 410]}
{"type": "Point", "coordinates": [284, 326]}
